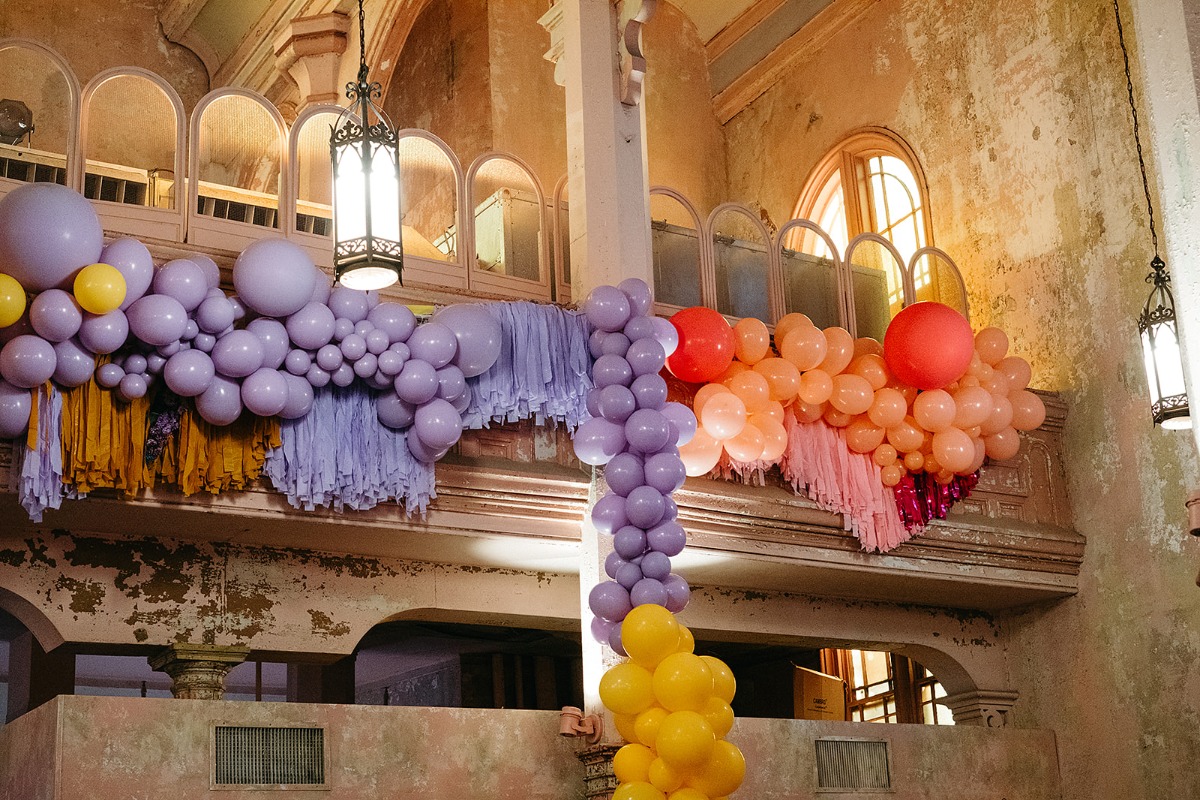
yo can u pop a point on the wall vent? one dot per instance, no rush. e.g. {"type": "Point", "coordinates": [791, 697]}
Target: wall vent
{"type": "Point", "coordinates": [268, 756]}
{"type": "Point", "coordinates": [858, 764]}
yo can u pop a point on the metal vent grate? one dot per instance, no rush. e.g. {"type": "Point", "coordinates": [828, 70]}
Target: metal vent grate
{"type": "Point", "coordinates": [269, 756]}
{"type": "Point", "coordinates": [852, 764]}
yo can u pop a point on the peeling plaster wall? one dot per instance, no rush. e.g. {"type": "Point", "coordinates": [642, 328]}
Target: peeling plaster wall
{"type": "Point", "coordinates": [1017, 113]}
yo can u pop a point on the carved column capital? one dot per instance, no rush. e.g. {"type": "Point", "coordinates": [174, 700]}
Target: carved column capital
{"type": "Point", "coordinates": [982, 707]}
{"type": "Point", "coordinates": [599, 781]}
{"type": "Point", "coordinates": [197, 670]}
{"type": "Point", "coordinates": [310, 51]}
{"type": "Point", "coordinates": [552, 22]}
{"type": "Point", "coordinates": [632, 15]}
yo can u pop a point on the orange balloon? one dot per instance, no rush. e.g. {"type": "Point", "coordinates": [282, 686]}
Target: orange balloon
{"type": "Point", "coordinates": [809, 412]}
{"type": "Point", "coordinates": [804, 346]}
{"type": "Point", "coordinates": [944, 477]}
{"type": "Point", "coordinates": [752, 389]}
{"type": "Point", "coordinates": [934, 410]}
{"type": "Point", "coordinates": [873, 368]}
{"type": "Point", "coordinates": [1017, 370]}
{"type": "Point", "coordinates": [1029, 411]}
{"type": "Point", "coordinates": [815, 387]}
{"type": "Point", "coordinates": [734, 369]}
{"type": "Point", "coordinates": [865, 345]}
{"type": "Point", "coordinates": [775, 438]}
{"type": "Point", "coordinates": [997, 383]}
{"type": "Point", "coordinates": [1003, 445]}
{"type": "Point", "coordinates": [954, 449]}
{"type": "Point", "coordinates": [914, 461]}
{"type": "Point", "coordinates": [840, 350]}
{"type": "Point", "coordinates": [891, 475]}
{"type": "Point", "coordinates": [747, 445]}
{"type": "Point", "coordinates": [980, 454]}
{"type": "Point", "coordinates": [774, 410]}
{"type": "Point", "coordinates": [972, 405]}
{"type": "Point", "coordinates": [788, 323]}
{"type": "Point", "coordinates": [753, 340]}
{"type": "Point", "coordinates": [837, 418]}
{"type": "Point", "coordinates": [782, 376]}
{"type": "Point", "coordinates": [863, 436]}
{"type": "Point", "coordinates": [888, 407]}
{"type": "Point", "coordinates": [701, 454]}
{"type": "Point", "coordinates": [706, 393]}
{"type": "Point", "coordinates": [906, 437]}
{"type": "Point", "coordinates": [852, 394]}
{"type": "Point", "coordinates": [724, 416]}
{"type": "Point", "coordinates": [991, 344]}
{"type": "Point", "coordinates": [932, 466]}
{"type": "Point", "coordinates": [884, 454]}
{"type": "Point", "coordinates": [999, 419]}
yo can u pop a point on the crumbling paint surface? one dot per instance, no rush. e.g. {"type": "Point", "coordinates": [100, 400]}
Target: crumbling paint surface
{"type": "Point", "coordinates": [1018, 114]}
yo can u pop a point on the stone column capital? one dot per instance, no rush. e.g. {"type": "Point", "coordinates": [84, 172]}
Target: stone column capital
{"type": "Point", "coordinates": [197, 670]}
{"type": "Point", "coordinates": [987, 708]}
{"type": "Point", "coordinates": [310, 51]}
{"type": "Point", "coordinates": [599, 781]}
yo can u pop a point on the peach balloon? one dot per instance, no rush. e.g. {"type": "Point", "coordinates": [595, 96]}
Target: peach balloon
{"type": "Point", "coordinates": [972, 405]}
{"type": "Point", "coordinates": [999, 419]}
{"type": "Point", "coordinates": [944, 477]}
{"type": "Point", "coordinates": [1029, 412]}
{"type": "Point", "coordinates": [862, 436]}
{"type": "Point", "coordinates": [991, 344]}
{"type": "Point", "coordinates": [889, 407]}
{"type": "Point", "coordinates": [836, 418]}
{"type": "Point", "coordinates": [997, 383]}
{"type": "Point", "coordinates": [1003, 445]}
{"type": "Point", "coordinates": [953, 449]}
{"type": "Point", "coordinates": [706, 393]}
{"type": "Point", "coordinates": [980, 455]}
{"type": "Point", "coordinates": [873, 368]}
{"type": "Point", "coordinates": [891, 475]}
{"type": "Point", "coordinates": [815, 387]}
{"type": "Point", "coordinates": [752, 340]}
{"type": "Point", "coordinates": [734, 369]}
{"type": "Point", "coordinates": [724, 416]}
{"type": "Point", "coordinates": [934, 410]}
{"type": "Point", "coordinates": [747, 446]}
{"type": "Point", "coordinates": [852, 394]}
{"type": "Point", "coordinates": [840, 350]}
{"type": "Point", "coordinates": [752, 389]}
{"type": "Point", "coordinates": [701, 454]}
{"type": "Point", "coordinates": [906, 437]}
{"type": "Point", "coordinates": [932, 467]}
{"type": "Point", "coordinates": [809, 412]}
{"type": "Point", "coordinates": [865, 345]}
{"type": "Point", "coordinates": [1017, 370]}
{"type": "Point", "coordinates": [775, 438]}
{"type": "Point", "coordinates": [774, 410]}
{"type": "Point", "coordinates": [884, 454]}
{"type": "Point", "coordinates": [789, 323]}
{"type": "Point", "coordinates": [914, 461]}
{"type": "Point", "coordinates": [909, 392]}
{"type": "Point", "coordinates": [804, 346]}
{"type": "Point", "coordinates": [782, 376]}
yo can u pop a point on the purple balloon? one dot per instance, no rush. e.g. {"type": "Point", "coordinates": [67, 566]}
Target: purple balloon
{"type": "Point", "coordinates": [157, 319]}
{"type": "Point", "coordinates": [274, 277]}
{"type": "Point", "coordinates": [205, 342]}
{"type": "Point", "coordinates": [297, 362]}
{"type": "Point", "coordinates": [377, 341]}
{"type": "Point", "coordinates": [437, 424]}
{"type": "Point", "coordinates": [629, 542]}
{"type": "Point", "coordinates": [27, 361]}
{"type": "Point", "coordinates": [648, 591]}
{"type": "Point", "coordinates": [221, 403]}
{"type": "Point", "coordinates": [15, 406]}
{"type": "Point", "coordinates": [610, 601]}
{"type": "Point", "coordinates": [391, 362]}
{"type": "Point", "coordinates": [639, 295]}
{"type": "Point", "coordinates": [639, 328]}
{"type": "Point", "coordinates": [212, 273]}
{"type": "Point", "coordinates": [615, 344]}
{"type": "Point", "coordinates": [610, 370]}
{"type": "Point", "coordinates": [169, 349]}
{"type": "Point", "coordinates": [478, 334]}
{"type": "Point", "coordinates": [678, 593]}
{"type": "Point", "coordinates": [214, 314]}
{"type": "Point", "coordinates": [104, 333]}
{"type": "Point", "coordinates": [656, 565]}
{"type": "Point", "coordinates": [665, 472]}
{"type": "Point", "coordinates": [47, 233]}
{"type": "Point", "coordinates": [666, 335]}
{"type": "Point", "coordinates": [351, 304]}
{"type": "Point", "coordinates": [184, 280]}
{"type": "Point", "coordinates": [650, 391]}
{"type": "Point", "coordinates": [133, 261]}
{"type": "Point", "coordinates": [265, 392]}
{"type": "Point", "coordinates": [322, 286]}
{"type": "Point", "coordinates": [628, 574]}
{"type": "Point", "coordinates": [239, 308]}
{"type": "Point", "coordinates": [683, 419]}
{"type": "Point", "coordinates": [417, 382]}
{"type": "Point", "coordinates": [363, 327]}
{"type": "Point", "coordinates": [647, 431]}
{"type": "Point", "coordinates": [602, 629]}
{"type": "Point", "coordinates": [109, 375]}
{"type": "Point", "coordinates": [274, 338]}
{"type": "Point", "coordinates": [646, 357]}
{"type": "Point", "coordinates": [596, 343]}
{"type": "Point", "coordinates": [299, 399]}
{"type": "Point", "coordinates": [190, 330]}
{"type": "Point", "coordinates": [613, 562]}
{"type": "Point", "coordinates": [592, 401]}
{"type": "Point", "coordinates": [463, 401]}
{"type": "Point", "coordinates": [354, 347]}
{"type": "Point", "coordinates": [342, 328]}
{"type": "Point", "coordinates": [238, 354]}
{"type": "Point", "coordinates": [614, 641]}
{"type": "Point", "coordinates": [420, 451]}
{"type": "Point", "coordinates": [135, 363]}
{"type": "Point", "coordinates": [329, 357]}
{"type": "Point", "coordinates": [343, 376]}
{"type": "Point", "coordinates": [670, 510]}
{"type": "Point", "coordinates": [55, 315]}
{"type": "Point", "coordinates": [395, 320]}
{"type": "Point", "coordinates": [74, 365]}
{"type": "Point", "coordinates": [433, 342]}
{"type": "Point", "coordinates": [615, 403]}
{"type": "Point", "coordinates": [133, 386]}
{"type": "Point", "coordinates": [394, 412]}
{"type": "Point", "coordinates": [366, 366]}
{"type": "Point", "coordinates": [155, 363]}
{"type": "Point", "coordinates": [597, 441]}
{"type": "Point", "coordinates": [644, 506]}
{"type": "Point", "coordinates": [19, 328]}
{"type": "Point", "coordinates": [624, 473]}
{"type": "Point", "coordinates": [451, 383]}
{"type": "Point", "coordinates": [667, 538]}
{"type": "Point", "coordinates": [607, 308]}
{"type": "Point", "coordinates": [608, 515]}
{"type": "Point", "coordinates": [317, 377]}
{"type": "Point", "coordinates": [189, 372]}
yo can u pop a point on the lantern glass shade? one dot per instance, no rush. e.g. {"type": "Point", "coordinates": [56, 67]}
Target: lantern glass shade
{"type": "Point", "coordinates": [1164, 362]}
{"type": "Point", "coordinates": [368, 253]}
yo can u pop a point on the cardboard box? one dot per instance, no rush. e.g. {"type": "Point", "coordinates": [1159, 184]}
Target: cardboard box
{"type": "Point", "coordinates": [818, 696]}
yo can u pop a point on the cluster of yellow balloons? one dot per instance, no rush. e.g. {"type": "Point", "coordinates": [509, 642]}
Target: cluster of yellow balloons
{"type": "Point", "coordinates": [829, 375]}
{"type": "Point", "coordinates": [673, 707]}
{"type": "Point", "coordinates": [100, 288]}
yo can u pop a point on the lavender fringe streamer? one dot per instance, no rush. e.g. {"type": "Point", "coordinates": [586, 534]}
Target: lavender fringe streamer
{"type": "Point", "coordinates": [38, 473]}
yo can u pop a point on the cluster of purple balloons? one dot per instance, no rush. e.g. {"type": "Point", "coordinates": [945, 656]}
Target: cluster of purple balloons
{"type": "Point", "coordinates": [636, 433]}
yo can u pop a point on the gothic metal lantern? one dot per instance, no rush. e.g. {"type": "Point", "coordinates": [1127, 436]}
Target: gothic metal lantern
{"type": "Point", "coordinates": [368, 250]}
{"type": "Point", "coordinates": [1160, 349]}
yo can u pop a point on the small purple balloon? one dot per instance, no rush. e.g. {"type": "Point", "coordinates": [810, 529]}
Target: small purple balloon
{"type": "Point", "coordinates": [214, 314]}
{"type": "Point", "coordinates": [377, 341]}
{"type": "Point", "coordinates": [451, 383]}
{"type": "Point", "coordinates": [597, 441]}
{"type": "Point", "coordinates": [667, 538]}
{"type": "Point", "coordinates": [592, 401]}
{"type": "Point", "coordinates": [274, 277]}
{"type": "Point", "coordinates": [648, 591]}
{"type": "Point", "coordinates": [601, 629]}
{"type": "Point", "coordinates": [55, 315]}
{"type": "Point", "coordinates": [109, 375]}
{"type": "Point", "coordinates": [221, 403]}
{"type": "Point", "coordinates": [274, 338]}
{"type": "Point", "coordinates": [343, 376]}
{"type": "Point", "coordinates": [135, 363]}
{"type": "Point", "coordinates": [157, 319]}
{"type": "Point", "coordinates": [609, 600]}
{"type": "Point", "coordinates": [205, 342]}
{"type": "Point", "coordinates": [300, 397]}
{"type": "Point", "coordinates": [239, 308]}
{"type": "Point", "coordinates": [351, 304]}
{"type": "Point", "coordinates": [420, 451]}
{"type": "Point", "coordinates": [624, 473]}
{"type": "Point", "coordinates": [363, 327]}
{"type": "Point", "coordinates": [169, 349]}
{"type": "Point", "coordinates": [396, 320]}
{"type": "Point", "coordinates": [394, 412]}
{"type": "Point", "coordinates": [155, 363]}
{"type": "Point", "coordinates": [212, 273]}
{"type": "Point", "coordinates": [433, 342]}
{"type": "Point", "coordinates": [670, 509]}
{"type": "Point", "coordinates": [628, 574]}
{"type": "Point", "coordinates": [629, 542]}
{"type": "Point", "coordinates": [329, 357]}
{"type": "Point", "coordinates": [133, 386]}
{"type": "Point", "coordinates": [27, 361]}
{"type": "Point", "coordinates": [650, 391]}
{"type": "Point", "coordinates": [644, 506]}
{"type": "Point", "coordinates": [607, 308]}
{"type": "Point", "coordinates": [646, 357]}
{"type": "Point", "coordinates": [639, 295]}
{"type": "Point", "coordinates": [610, 370]}
{"type": "Point", "coordinates": [133, 261]}
{"type": "Point", "coordinates": [104, 333]}
{"type": "Point", "coordinates": [596, 343]}
{"type": "Point", "coordinates": [238, 354]}
{"type": "Point", "coordinates": [437, 424]}
{"type": "Point", "coordinates": [391, 362]}
{"type": "Point", "coordinates": [656, 565]}
{"type": "Point", "coordinates": [189, 373]}
{"type": "Point", "coordinates": [647, 431]}
{"type": "Point", "coordinates": [342, 328]}
{"type": "Point", "coordinates": [74, 365]}
{"type": "Point", "coordinates": [322, 286]}
{"type": "Point", "coordinates": [608, 515]}
{"type": "Point", "coordinates": [15, 407]}
{"type": "Point", "coordinates": [354, 347]}
{"type": "Point", "coordinates": [190, 330]}
{"type": "Point", "coordinates": [297, 362]}
{"type": "Point", "coordinates": [666, 334]}
{"type": "Point", "coordinates": [678, 593]}
{"type": "Point", "coordinates": [317, 377]}
{"type": "Point", "coordinates": [366, 366]}
{"type": "Point", "coordinates": [265, 392]}
{"type": "Point", "coordinates": [683, 419]}
{"type": "Point", "coordinates": [613, 562]}
{"type": "Point", "coordinates": [615, 403]}
{"type": "Point", "coordinates": [615, 344]}
{"type": "Point", "coordinates": [184, 280]}
{"type": "Point", "coordinates": [614, 641]}
{"type": "Point", "coordinates": [639, 328]}
{"type": "Point", "coordinates": [417, 382]}
{"type": "Point", "coordinates": [665, 472]}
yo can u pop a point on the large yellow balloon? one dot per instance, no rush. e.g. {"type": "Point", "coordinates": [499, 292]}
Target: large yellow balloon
{"type": "Point", "coordinates": [12, 300]}
{"type": "Point", "coordinates": [724, 685]}
{"type": "Point", "coordinates": [627, 689]}
{"type": "Point", "coordinates": [649, 634]}
{"type": "Point", "coordinates": [665, 777]}
{"type": "Point", "coordinates": [685, 740]}
{"type": "Point", "coordinates": [647, 723]}
{"type": "Point", "coordinates": [100, 288]}
{"type": "Point", "coordinates": [723, 773]}
{"type": "Point", "coordinates": [683, 682]}
{"type": "Point", "coordinates": [631, 764]}
{"type": "Point", "coordinates": [638, 791]}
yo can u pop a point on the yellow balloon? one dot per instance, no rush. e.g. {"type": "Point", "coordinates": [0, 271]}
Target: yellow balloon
{"type": "Point", "coordinates": [624, 723]}
{"type": "Point", "coordinates": [647, 724]}
{"type": "Point", "coordinates": [687, 642]}
{"type": "Point", "coordinates": [649, 634]}
{"type": "Point", "coordinates": [631, 764]}
{"type": "Point", "coordinates": [723, 773]}
{"type": "Point", "coordinates": [100, 288]}
{"type": "Point", "coordinates": [627, 689]}
{"type": "Point", "coordinates": [638, 791]}
{"type": "Point", "coordinates": [719, 715]}
{"type": "Point", "coordinates": [685, 740]}
{"type": "Point", "coordinates": [724, 685]}
{"type": "Point", "coordinates": [687, 793]}
{"type": "Point", "coordinates": [12, 300]}
{"type": "Point", "coordinates": [683, 682]}
{"type": "Point", "coordinates": [665, 777]}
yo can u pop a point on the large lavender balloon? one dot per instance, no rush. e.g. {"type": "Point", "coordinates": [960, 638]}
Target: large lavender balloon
{"type": "Point", "coordinates": [47, 234]}
{"type": "Point", "coordinates": [133, 261]}
{"type": "Point", "coordinates": [27, 361]}
{"type": "Point", "coordinates": [104, 333]}
{"type": "Point", "coordinates": [15, 406]}
{"type": "Point", "coordinates": [184, 280]}
{"type": "Point", "coordinates": [478, 334]}
{"type": "Point", "coordinates": [157, 319]}
{"type": "Point", "coordinates": [274, 277]}
{"type": "Point", "coordinates": [55, 315]}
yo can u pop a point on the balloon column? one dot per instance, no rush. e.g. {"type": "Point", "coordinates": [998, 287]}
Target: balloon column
{"type": "Point", "coordinates": [264, 350]}
{"type": "Point", "coordinates": [670, 704]}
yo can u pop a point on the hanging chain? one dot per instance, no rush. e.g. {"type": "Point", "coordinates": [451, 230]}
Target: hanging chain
{"type": "Point", "coordinates": [1137, 139]}
{"type": "Point", "coordinates": [362, 46]}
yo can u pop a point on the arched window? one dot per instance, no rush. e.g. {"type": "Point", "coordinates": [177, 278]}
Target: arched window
{"type": "Point", "coordinates": [872, 183]}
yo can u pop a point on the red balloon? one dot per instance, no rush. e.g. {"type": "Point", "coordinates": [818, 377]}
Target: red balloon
{"type": "Point", "coordinates": [706, 345]}
{"type": "Point", "coordinates": [928, 345]}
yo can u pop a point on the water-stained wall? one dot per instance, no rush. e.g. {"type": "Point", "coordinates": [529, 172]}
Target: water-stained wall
{"type": "Point", "coordinates": [1018, 114]}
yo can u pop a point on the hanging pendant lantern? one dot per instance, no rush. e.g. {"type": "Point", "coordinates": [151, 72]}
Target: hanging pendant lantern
{"type": "Point", "coordinates": [368, 249]}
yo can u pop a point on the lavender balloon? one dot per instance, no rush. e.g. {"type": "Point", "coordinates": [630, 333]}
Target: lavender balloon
{"type": "Point", "coordinates": [648, 591]}
{"type": "Point", "coordinates": [602, 629]}
{"type": "Point", "coordinates": [317, 377]}
{"type": "Point", "coordinates": [394, 412]}
{"type": "Point", "coordinates": [678, 593]}
{"type": "Point", "coordinates": [615, 403]}
{"type": "Point", "coordinates": [608, 515]}
{"type": "Point", "coordinates": [437, 424]}
{"type": "Point", "coordinates": [343, 376]}
{"type": "Point", "coordinates": [274, 277]}
{"type": "Point", "coordinates": [667, 538]}
{"type": "Point", "coordinates": [610, 370]}
{"type": "Point", "coordinates": [15, 406]}
{"type": "Point", "coordinates": [666, 335]}
{"type": "Point", "coordinates": [644, 506]}
{"type": "Point", "coordinates": [47, 233]}
{"type": "Point", "coordinates": [477, 333]}
{"type": "Point", "coordinates": [377, 341]}
{"type": "Point", "coordinates": [157, 319]}
{"type": "Point", "coordinates": [135, 363]}
{"type": "Point", "coordinates": [104, 333]}
{"type": "Point", "coordinates": [329, 357]}
{"type": "Point", "coordinates": [420, 451]}
{"type": "Point", "coordinates": [610, 601]}
{"type": "Point", "coordinates": [646, 357]}
{"type": "Point", "coordinates": [417, 382]}
{"type": "Point", "coordinates": [656, 565]}
{"type": "Point", "coordinates": [212, 273]}
{"type": "Point", "coordinates": [665, 472]}
{"type": "Point", "coordinates": [274, 338]}
{"type": "Point", "coordinates": [391, 362]}
{"type": "Point", "coordinates": [628, 575]}
{"type": "Point", "coordinates": [640, 328]}
{"type": "Point", "coordinates": [221, 403]}
{"type": "Point", "coordinates": [299, 399]}
{"type": "Point", "coordinates": [395, 320]}
{"type": "Point", "coordinates": [638, 294]}
{"type": "Point", "coordinates": [342, 328]}
{"type": "Point", "coordinates": [614, 344]}
{"type": "Point", "coordinates": [27, 361]}
{"type": "Point", "coordinates": [238, 354]}
{"type": "Point", "coordinates": [354, 347]}
{"type": "Point", "coordinates": [265, 392]}
{"type": "Point", "coordinates": [350, 304]}
{"type": "Point", "coordinates": [189, 373]}
{"type": "Point", "coordinates": [74, 365]}
{"type": "Point", "coordinates": [55, 315]}
{"type": "Point", "coordinates": [629, 542]}
{"type": "Point", "coordinates": [614, 641]}
{"type": "Point", "coordinates": [133, 261]}
{"type": "Point", "coordinates": [109, 375]}
{"type": "Point", "coordinates": [214, 314]}
{"type": "Point", "coordinates": [650, 391]}
{"type": "Point", "coordinates": [607, 308]}
{"type": "Point", "coordinates": [297, 362]}
{"type": "Point", "coordinates": [624, 474]}
{"type": "Point", "coordinates": [204, 342]}
{"type": "Point", "coordinates": [366, 366]}
{"type": "Point", "coordinates": [597, 441]}
{"type": "Point", "coordinates": [683, 419]}
{"type": "Point", "coordinates": [613, 562]}
{"type": "Point", "coordinates": [155, 363]}
{"type": "Point", "coordinates": [647, 431]}
{"type": "Point", "coordinates": [322, 286]}
{"type": "Point", "coordinates": [433, 342]}
{"type": "Point", "coordinates": [133, 387]}
{"type": "Point", "coordinates": [184, 280]}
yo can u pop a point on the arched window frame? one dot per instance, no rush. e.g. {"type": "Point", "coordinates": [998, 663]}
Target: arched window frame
{"type": "Point", "coordinates": [704, 268]}
{"type": "Point", "coordinates": [74, 163]}
{"type": "Point", "coordinates": [442, 274]}
{"type": "Point", "coordinates": [561, 240]}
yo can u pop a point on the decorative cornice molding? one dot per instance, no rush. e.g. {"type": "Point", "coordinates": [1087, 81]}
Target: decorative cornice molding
{"type": "Point", "coordinates": [745, 22]}
{"type": "Point", "coordinates": [633, 16]}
